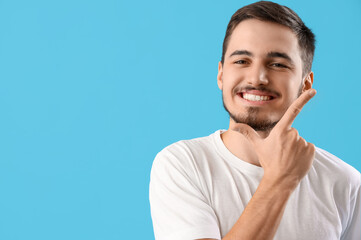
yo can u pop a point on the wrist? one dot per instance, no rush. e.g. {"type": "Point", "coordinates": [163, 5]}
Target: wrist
{"type": "Point", "coordinates": [283, 184]}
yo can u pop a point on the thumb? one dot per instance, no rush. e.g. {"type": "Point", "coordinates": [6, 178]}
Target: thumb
{"type": "Point", "coordinates": [246, 131]}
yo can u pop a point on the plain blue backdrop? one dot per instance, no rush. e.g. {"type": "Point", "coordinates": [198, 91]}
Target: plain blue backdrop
{"type": "Point", "coordinates": [90, 91]}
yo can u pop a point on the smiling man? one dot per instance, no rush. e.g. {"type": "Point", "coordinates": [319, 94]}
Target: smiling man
{"type": "Point", "coordinates": [259, 179]}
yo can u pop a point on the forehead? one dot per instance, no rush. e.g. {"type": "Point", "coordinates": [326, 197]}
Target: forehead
{"type": "Point", "coordinates": [260, 38]}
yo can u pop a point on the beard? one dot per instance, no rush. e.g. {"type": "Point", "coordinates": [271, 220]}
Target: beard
{"type": "Point", "coordinates": [252, 119]}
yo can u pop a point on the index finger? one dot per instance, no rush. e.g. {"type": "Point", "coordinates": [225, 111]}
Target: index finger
{"type": "Point", "coordinates": [295, 108]}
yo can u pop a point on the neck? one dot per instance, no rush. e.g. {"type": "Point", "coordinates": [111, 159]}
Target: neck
{"type": "Point", "coordinates": [263, 134]}
{"type": "Point", "coordinates": [240, 146]}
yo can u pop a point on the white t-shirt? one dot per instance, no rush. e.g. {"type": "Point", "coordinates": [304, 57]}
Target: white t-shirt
{"type": "Point", "coordinates": [199, 189]}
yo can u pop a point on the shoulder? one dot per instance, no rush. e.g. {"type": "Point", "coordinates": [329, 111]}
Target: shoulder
{"type": "Point", "coordinates": [185, 155]}
{"type": "Point", "coordinates": [181, 166]}
{"type": "Point", "coordinates": [336, 168]}
{"type": "Point", "coordinates": [188, 149]}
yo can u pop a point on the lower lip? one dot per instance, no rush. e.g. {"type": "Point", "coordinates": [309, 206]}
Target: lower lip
{"type": "Point", "coordinates": [254, 103]}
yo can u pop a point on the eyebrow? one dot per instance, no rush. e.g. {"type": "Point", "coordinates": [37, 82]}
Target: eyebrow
{"type": "Point", "coordinates": [241, 52]}
{"type": "Point", "coordinates": [269, 55]}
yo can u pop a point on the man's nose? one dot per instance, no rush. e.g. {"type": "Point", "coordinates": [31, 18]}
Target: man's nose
{"type": "Point", "coordinates": [257, 75]}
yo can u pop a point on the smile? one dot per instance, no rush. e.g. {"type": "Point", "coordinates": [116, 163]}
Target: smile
{"type": "Point", "coordinates": [256, 97]}
{"type": "Point", "coordinates": [252, 97]}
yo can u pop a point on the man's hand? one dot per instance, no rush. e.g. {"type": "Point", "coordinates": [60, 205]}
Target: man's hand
{"type": "Point", "coordinates": [284, 155]}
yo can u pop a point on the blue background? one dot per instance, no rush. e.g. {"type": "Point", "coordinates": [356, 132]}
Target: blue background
{"type": "Point", "coordinates": [90, 91]}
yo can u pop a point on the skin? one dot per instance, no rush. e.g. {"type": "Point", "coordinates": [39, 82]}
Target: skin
{"type": "Point", "coordinates": [275, 74]}
{"type": "Point", "coordinates": [279, 150]}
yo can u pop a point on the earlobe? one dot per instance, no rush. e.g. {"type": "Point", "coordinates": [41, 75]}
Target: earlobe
{"type": "Point", "coordinates": [220, 76]}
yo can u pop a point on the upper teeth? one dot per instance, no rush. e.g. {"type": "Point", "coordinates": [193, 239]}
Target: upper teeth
{"type": "Point", "coordinates": [252, 97]}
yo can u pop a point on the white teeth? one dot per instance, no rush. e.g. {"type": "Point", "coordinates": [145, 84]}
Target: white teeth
{"type": "Point", "coordinates": [252, 97]}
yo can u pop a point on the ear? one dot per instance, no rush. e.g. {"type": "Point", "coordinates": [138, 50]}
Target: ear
{"type": "Point", "coordinates": [307, 82]}
{"type": "Point", "coordinates": [220, 75]}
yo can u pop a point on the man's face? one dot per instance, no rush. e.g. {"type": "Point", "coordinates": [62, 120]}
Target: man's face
{"type": "Point", "coordinates": [262, 73]}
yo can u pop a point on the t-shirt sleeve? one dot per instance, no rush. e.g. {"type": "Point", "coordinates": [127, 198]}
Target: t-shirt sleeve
{"type": "Point", "coordinates": [179, 209]}
{"type": "Point", "coordinates": [352, 231]}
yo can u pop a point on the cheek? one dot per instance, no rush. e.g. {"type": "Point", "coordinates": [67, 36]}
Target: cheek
{"type": "Point", "coordinates": [291, 94]}
{"type": "Point", "coordinates": [230, 78]}
{"type": "Point", "coordinates": [289, 84]}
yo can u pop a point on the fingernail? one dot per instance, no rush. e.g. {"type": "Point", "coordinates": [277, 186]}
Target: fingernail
{"type": "Point", "coordinates": [312, 92]}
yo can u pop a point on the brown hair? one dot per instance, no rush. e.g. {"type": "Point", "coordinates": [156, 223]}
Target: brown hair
{"type": "Point", "coordinates": [273, 12]}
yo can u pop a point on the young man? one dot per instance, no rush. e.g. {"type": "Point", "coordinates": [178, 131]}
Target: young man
{"type": "Point", "coordinates": [259, 179]}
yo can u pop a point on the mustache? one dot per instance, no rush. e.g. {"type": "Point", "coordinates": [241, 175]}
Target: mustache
{"type": "Point", "coordinates": [263, 89]}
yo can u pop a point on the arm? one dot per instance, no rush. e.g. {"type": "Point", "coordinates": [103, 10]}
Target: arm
{"type": "Point", "coordinates": [261, 217]}
{"type": "Point", "coordinates": [352, 230]}
{"type": "Point", "coordinates": [179, 209]}
{"type": "Point", "coordinates": [286, 159]}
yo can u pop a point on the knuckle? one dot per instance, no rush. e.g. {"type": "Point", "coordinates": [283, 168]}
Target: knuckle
{"type": "Point", "coordinates": [312, 147]}
{"type": "Point", "coordinates": [296, 110]}
{"type": "Point", "coordinates": [246, 133]}
{"type": "Point", "coordinates": [294, 132]}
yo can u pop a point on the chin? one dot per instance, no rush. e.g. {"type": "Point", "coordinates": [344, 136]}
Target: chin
{"type": "Point", "coordinates": [258, 124]}
{"type": "Point", "coordinates": [259, 121]}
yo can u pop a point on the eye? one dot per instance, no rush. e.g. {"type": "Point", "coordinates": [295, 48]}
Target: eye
{"type": "Point", "coordinates": [241, 61]}
{"type": "Point", "coordinates": [278, 65]}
